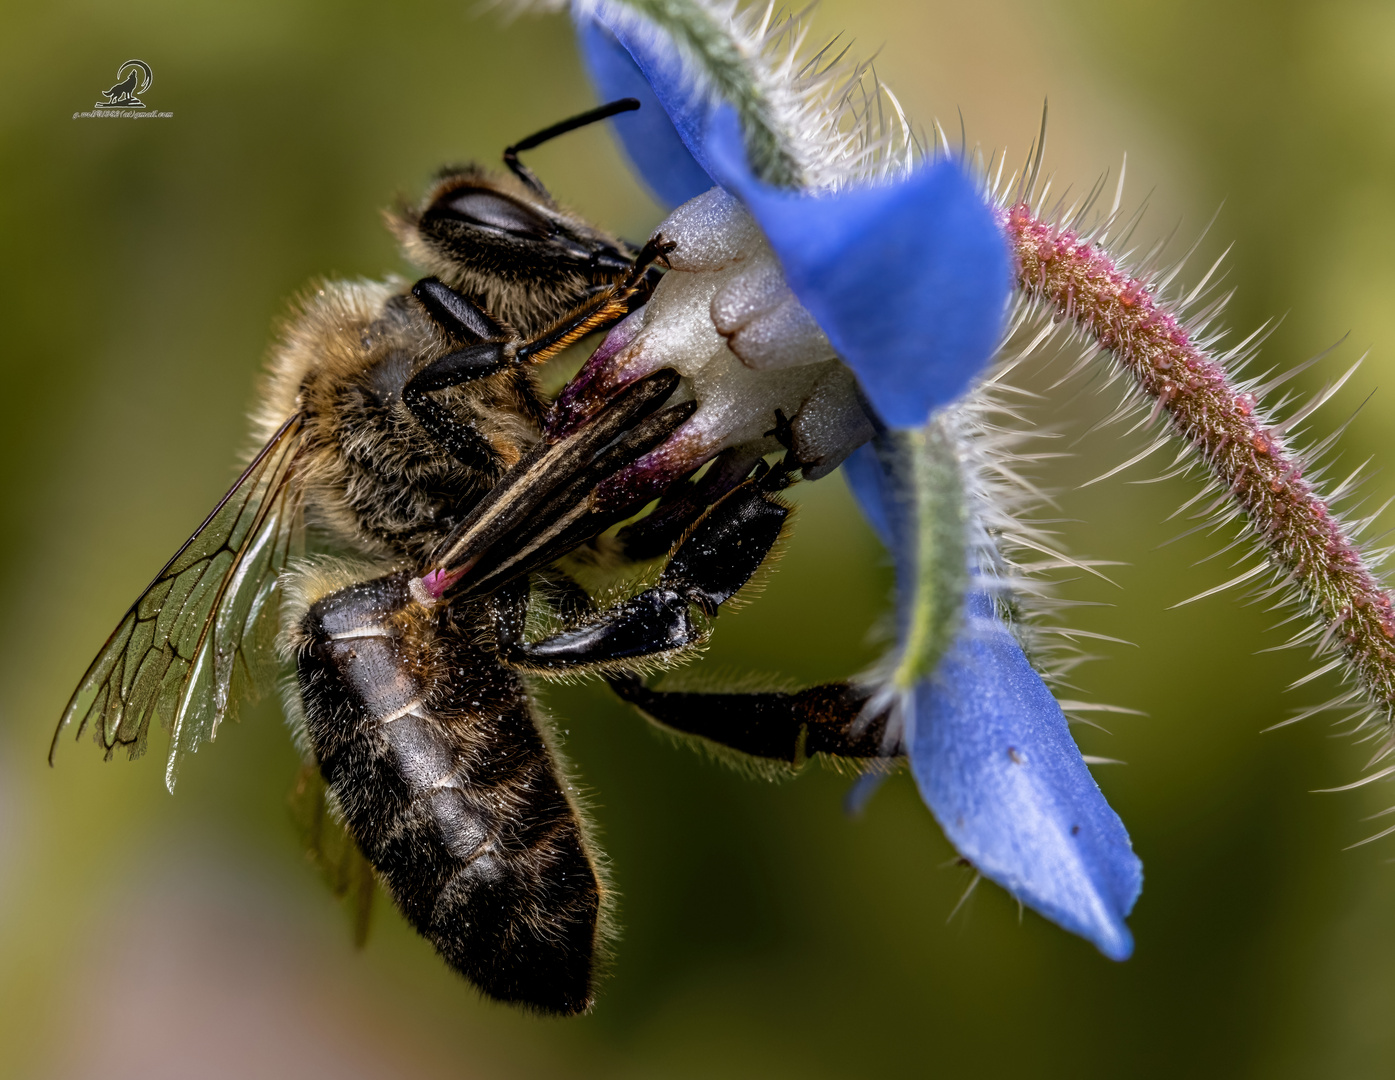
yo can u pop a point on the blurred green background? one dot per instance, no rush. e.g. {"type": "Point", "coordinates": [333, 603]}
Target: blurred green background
{"type": "Point", "coordinates": [145, 265]}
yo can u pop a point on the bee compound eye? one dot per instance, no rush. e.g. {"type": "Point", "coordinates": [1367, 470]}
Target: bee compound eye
{"type": "Point", "coordinates": [489, 209]}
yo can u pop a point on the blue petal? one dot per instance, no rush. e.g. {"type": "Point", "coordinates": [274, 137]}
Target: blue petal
{"type": "Point", "coordinates": [861, 792]}
{"type": "Point", "coordinates": [908, 279]}
{"type": "Point", "coordinates": [995, 761]}
{"type": "Point", "coordinates": [865, 477]}
{"type": "Point", "coordinates": [994, 758]}
{"type": "Point", "coordinates": [624, 60]}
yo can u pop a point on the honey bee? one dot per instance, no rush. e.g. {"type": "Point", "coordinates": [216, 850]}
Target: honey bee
{"type": "Point", "coordinates": [404, 425]}
{"type": "Point", "coordinates": [388, 411]}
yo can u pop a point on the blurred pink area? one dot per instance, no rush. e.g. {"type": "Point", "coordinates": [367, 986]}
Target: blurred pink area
{"type": "Point", "coordinates": [217, 976]}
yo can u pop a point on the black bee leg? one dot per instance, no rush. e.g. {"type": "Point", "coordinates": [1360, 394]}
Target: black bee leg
{"type": "Point", "coordinates": [786, 727]}
{"type": "Point", "coordinates": [487, 349]}
{"type": "Point", "coordinates": [459, 439]}
{"type": "Point", "coordinates": [597, 312]}
{"type": "Point", "coordinates": [483, 354]}
{"type": "Point", "coordinates": [655, 250]}
{"type": "Point", "coordinates": [455, 313]}
{"type": "Point", "coordinates": [466, 322]}
{"type": "Point", "coordinates": [718, 556]}
{"type": "Point", "coordinates": [564, 594]}
{"type": "Point", "coordinates": [657, 532]}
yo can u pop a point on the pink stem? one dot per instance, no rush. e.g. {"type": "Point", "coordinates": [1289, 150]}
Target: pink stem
{"type": "Point", "coordinates": [1302, 536]}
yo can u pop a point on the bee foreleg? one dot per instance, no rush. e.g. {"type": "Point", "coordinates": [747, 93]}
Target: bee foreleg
{"type": "Point", "coordinates": [455, 313]}
{"type": "Point", "coordinates": [655, 250]}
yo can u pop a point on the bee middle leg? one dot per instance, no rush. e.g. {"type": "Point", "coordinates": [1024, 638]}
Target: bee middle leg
{"type": "Point", "coordinates": [717, 557]}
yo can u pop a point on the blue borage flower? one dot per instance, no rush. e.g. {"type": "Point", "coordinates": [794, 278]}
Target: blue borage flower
{"type": "Point", "coordinates": [904, 269]}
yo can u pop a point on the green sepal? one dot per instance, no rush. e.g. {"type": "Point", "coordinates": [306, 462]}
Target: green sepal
{"type": "Point", "coordinates": [932, 555]}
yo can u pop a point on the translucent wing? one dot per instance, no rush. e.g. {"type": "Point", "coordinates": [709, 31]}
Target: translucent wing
{"type": "Point", "coordinates": [330, 847]}
{"type": "Point", "coordinates": [208, 616]}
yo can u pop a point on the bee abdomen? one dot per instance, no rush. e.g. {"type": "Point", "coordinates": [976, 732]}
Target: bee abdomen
{"type": "Point", "coordinates": [450, 792]}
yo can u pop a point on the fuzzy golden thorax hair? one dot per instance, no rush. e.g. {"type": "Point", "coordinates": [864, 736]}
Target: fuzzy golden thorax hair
{"type": "Point", "coordinates": [371, 477]}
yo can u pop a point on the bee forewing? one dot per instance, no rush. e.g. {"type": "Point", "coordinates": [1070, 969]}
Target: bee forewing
{"type": "Point", "coordinates": [178, 648]}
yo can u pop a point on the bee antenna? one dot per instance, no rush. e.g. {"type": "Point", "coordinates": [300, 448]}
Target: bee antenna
{"type": "Point", "coordinates": [604, 112]}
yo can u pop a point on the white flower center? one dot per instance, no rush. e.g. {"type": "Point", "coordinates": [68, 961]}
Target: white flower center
{"type": "Point", "coordinates": [724, 318]}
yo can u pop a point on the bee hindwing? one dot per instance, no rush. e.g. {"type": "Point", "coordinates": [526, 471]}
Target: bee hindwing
{"type": "Point", "coordinates": [330, 847]}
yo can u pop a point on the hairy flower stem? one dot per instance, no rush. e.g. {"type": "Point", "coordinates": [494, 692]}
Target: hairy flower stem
{"type": "Point", "coordinates": [1302, 537]}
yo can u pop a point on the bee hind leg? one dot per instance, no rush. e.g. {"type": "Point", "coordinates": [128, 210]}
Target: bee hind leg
{"type": "Point", "coordinates": [787, 727]}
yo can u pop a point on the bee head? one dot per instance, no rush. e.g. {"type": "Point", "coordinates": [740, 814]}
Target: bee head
{"type": "Point", "coordinates": [493, 237]}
